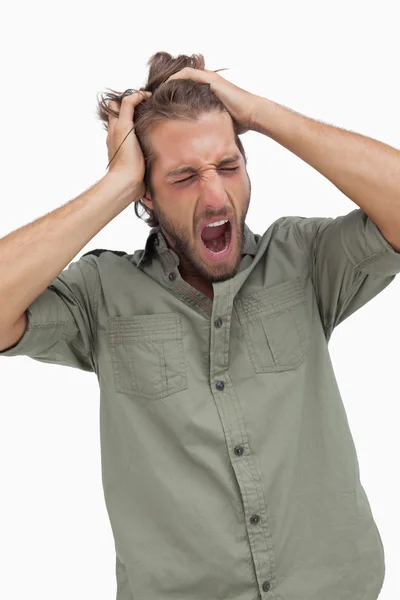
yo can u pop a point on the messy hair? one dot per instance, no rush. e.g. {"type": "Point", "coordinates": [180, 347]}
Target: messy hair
{"type": "Point", "coordinates": [178, 99]}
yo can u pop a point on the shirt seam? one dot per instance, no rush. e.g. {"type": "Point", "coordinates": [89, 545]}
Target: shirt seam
{"type": "Point", "coordinates": [93, 300]}
{"type": "Point", "coordinates": [95, 297]}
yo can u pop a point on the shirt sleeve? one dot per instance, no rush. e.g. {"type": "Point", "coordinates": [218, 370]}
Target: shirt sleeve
{"type": "Point", "coordinates": [351, 262]}
{"type": "Point", "coordinates": [62, 320]}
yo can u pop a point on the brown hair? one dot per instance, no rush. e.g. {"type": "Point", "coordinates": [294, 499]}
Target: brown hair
{"type": "Point", "coordinates": [179, 99]}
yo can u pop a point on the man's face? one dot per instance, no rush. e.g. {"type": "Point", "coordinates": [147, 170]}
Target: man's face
{"type": "Point", "coordinates": [208, 193]}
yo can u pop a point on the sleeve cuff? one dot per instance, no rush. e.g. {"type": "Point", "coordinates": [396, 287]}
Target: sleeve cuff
{"type": "Point", "coordinates": [44, 329]}
{"type": "Point", "coordinates": [366, 246]}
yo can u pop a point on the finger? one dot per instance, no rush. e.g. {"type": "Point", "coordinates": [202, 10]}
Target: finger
{"type": "Point", "coordinates": [112, 119]}
{"type": "Point", "coordinates": [128, 105]}
{"type": "Point", "coordinates": [199, 75]}
{"type": "Point", "coordinates": [182, 74]}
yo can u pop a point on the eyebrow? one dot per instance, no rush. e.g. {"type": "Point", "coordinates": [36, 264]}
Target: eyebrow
{"type": "Point", "coordinates": [188, 169]}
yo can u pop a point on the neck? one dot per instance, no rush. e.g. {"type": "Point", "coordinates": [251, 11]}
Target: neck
{"type": "Point", "coordinates": [189, 274]}
{"type": "Point", "coordinates": [194, 279]}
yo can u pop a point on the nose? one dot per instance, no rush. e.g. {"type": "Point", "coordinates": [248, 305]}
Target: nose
{"type": "Point", "coordinates": [213, 196]}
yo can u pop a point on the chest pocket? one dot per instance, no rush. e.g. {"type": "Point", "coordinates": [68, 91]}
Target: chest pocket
{"type": "Point", "coordinates": [147, 355]}
{"type": "Point", "coordinates": [275, 324]}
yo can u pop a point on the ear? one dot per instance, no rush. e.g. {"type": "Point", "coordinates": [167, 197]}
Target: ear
{"type": "Point", "coordinates": [147, 201]}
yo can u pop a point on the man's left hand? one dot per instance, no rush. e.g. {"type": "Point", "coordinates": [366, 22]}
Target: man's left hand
{"type": "Point", "coordinates": [240, 104]}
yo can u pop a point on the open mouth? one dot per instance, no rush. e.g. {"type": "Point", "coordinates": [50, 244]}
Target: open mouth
{"type": "Point", "coordinates": [217, 237]}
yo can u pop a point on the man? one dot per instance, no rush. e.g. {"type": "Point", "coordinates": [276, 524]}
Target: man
{"type": "Point", "coordinates": [229, 469]}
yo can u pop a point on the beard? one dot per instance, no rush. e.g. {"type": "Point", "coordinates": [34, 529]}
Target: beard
{"type": "Point", "coordinates": [188, 249]}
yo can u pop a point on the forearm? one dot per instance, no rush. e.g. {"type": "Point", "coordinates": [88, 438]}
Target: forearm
{"type": "Point", "coordinates": [34, 255]}
{"type": "Point", "coordinates": [365, 170]}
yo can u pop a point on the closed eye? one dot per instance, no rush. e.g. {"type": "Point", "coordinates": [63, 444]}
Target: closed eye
{"type": "Point", "coordinates": [188, 178]}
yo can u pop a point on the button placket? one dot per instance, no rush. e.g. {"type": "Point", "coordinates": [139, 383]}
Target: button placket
{"type": "Point", "coordinates": [230, 411]}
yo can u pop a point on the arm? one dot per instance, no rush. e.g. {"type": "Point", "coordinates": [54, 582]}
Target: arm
{"type": "Point", "coordinates": [31, 257]}
{"type": "Point", "coordinates": [365, 170]}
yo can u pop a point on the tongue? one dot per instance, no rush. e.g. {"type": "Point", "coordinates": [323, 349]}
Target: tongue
{"type": "Point", "coordinates": [212, 233]}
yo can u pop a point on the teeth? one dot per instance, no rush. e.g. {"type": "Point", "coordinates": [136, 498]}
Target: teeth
{"type": "Point", "coordinates": [220, 252]}
{"type": "Point", "coordinates": [227, 241]}
{"type": "Point", "coordinates": [217, 223]}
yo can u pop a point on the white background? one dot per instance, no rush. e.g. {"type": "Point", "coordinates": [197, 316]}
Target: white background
{"type": "Point", "coordinates": [336, 62]}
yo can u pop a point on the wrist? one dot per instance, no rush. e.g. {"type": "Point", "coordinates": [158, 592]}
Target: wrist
{"type": "Point", "coordinates": [263, 116]}
{"type": "Point", "coordinates": [123, 186]}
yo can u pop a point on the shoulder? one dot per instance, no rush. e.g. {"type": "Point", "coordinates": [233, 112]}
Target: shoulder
{"type": "Point", "coordinates": [99, 251]}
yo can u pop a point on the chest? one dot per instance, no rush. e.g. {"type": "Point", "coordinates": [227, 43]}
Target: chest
{"type": "Point", "coordinates": [154, 343]}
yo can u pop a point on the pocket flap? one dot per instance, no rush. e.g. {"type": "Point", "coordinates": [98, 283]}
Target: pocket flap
{"type": "Point", "coordinates": [155, 327]}
{"type": "Point", "coordinates": [271, 300]}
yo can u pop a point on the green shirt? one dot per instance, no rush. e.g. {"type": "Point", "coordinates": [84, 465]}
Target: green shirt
{"type": "Point", "coordinates": [229, 470]}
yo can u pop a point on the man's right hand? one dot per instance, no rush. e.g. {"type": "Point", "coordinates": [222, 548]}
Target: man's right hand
{"type": "Point", "coordinates": [127, 160]}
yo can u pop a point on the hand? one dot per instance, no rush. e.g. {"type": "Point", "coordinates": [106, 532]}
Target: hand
{"type": "Point", "coordinates": [125, 155]}
{"type": "Point", "coordinates": [240, 104]}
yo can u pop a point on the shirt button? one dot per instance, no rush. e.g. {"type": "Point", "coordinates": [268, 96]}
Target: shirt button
{"type": "Point", "coordinates": [266, 586]}
{"type": "Point", "coordinates": [218, 322]}
{"type": "Point", "coordinates": [239, 450]}
{"type": "Point", "coordinates": [172, 276]}
{"type": "Point", "coordinates": [254, 519]}
{"type": "Point", "coordinates": [220, 385]}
